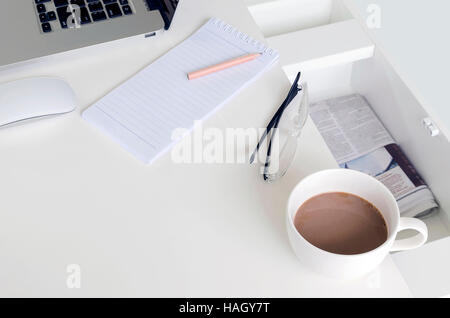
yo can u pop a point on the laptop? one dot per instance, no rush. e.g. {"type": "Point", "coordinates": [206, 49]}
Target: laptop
{"type": "Point", "coordinates": [31, 29]}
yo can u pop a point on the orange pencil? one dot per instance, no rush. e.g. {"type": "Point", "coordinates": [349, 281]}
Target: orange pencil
{"type": "Point", "coordinates": [223, 66]}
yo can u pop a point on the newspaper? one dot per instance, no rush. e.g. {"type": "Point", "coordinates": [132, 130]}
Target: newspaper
{"type": "Point", "coordinates": [359, 141]}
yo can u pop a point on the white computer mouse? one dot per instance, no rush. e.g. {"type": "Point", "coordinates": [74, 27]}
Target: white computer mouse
{"type": "Point", "coordinates": [34, 98]}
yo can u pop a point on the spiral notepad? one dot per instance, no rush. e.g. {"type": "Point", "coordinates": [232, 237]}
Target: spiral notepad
{"type": "Point", "coordinates": [142, 113]}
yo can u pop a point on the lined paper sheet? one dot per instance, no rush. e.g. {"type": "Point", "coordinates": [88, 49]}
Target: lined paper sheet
{"type": "Point", "coordinates": [142, 113]}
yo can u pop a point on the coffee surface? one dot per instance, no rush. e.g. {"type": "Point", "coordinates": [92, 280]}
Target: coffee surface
{"type": "Point", "coordinates": [341, 223]}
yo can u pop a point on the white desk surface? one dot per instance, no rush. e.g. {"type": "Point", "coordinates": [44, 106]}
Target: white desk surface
{"type": "Point", "coordinates": [69, 195]}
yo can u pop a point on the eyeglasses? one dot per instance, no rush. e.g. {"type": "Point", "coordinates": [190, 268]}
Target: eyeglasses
{"type": "Point", "coordinates": [283, 131]}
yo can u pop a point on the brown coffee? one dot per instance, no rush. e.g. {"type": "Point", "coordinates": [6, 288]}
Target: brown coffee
{"type": "Point", "coordinates": [341, 223]}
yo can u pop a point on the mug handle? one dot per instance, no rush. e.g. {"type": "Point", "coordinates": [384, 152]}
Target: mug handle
{"type": "Point", "coordinates": [411, 242]}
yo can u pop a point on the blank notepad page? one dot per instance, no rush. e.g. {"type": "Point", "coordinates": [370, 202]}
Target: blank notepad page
{"type": "Point", "coordinates": [142, 113]}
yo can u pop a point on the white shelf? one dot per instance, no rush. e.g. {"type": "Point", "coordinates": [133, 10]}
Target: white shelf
{"type": "Point", "coordinates": [322, 47]}
{"type": "Point", "coordinates": [276, 17]}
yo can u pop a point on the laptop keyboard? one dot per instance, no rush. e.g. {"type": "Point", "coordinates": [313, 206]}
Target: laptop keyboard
{"type": "Point", "coordinates": [59, 14]}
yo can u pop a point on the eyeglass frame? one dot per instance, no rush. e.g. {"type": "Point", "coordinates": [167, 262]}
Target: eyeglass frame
{"type": "Point", "coordinates": [273, 124]}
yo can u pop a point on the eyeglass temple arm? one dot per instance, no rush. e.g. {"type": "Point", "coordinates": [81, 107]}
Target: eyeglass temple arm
{"type": "Point", "coordinates": [269, 148]}
{"type": "Point", "coordinates": [272, 122]}
{"type": "Point", "coordinates": [291, 95]}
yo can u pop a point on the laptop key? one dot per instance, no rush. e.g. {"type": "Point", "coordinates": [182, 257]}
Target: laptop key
{"type": "Point", "coordinates": [46, 27]}
{"type": "Point", "coordinates": [98, 16]}
{"type": "Point", "coordinates": [43, 17]}
{"type": "Point", "coordinates": [85, 18]}
{"type": "Point", "coordinates": [127, 10]}
{"type": "Point", "coordinates": [51, 16]}
{"type": "Point", "coordinates": [40, 1]}
{"type": "Point", "coordinates": [95, 6]}
{"type": "Point", "coordinates": [41, 8]}
{"type": "Point", "coordinates": [108, 1]}
{"type": "Point", "coordinates": [60, 3]}
{"type": "Point", "coordinates": [79, 3]}
{"type": "Point", "coordinates": [113, 10]}
{"type": "Point", "coordinates": [63, 15]}
{"type": "Point", "coordinates": [123, 2]}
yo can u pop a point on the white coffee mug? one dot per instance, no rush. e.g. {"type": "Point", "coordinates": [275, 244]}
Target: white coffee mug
{"type": "Point", "coordinates": [366, 187]}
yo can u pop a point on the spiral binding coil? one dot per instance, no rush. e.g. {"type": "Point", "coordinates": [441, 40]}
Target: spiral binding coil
{"type": "Point", "coordinates": [242, 36]}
